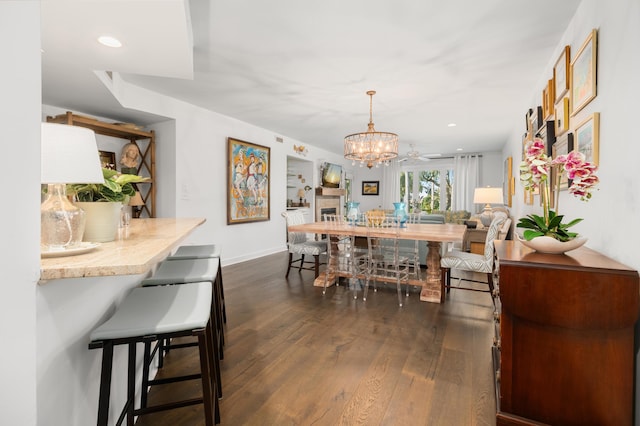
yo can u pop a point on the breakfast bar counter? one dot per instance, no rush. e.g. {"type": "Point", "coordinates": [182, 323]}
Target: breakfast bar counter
{"type": "Point", "coordinates": [139, 247]}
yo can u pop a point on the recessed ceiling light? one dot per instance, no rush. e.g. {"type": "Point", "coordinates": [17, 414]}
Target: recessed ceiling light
{"type": "Point", "coordinates": [459, 149]}
{"type": "Point", "coordinates": [109, 41]}
{"type": "Point", "coordinates": [451, 125]}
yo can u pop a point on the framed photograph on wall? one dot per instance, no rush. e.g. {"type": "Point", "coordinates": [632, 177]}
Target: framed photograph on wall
{"type": "Point", "coordinates": [548, 100]}
{"type": "Point", "coordinates": [587, 135]}
{"type": "Point", "coordinates": [563, 146]}
{"type": "Point", "coordinates": [371, 187]}
{"type": "Point", "coordinates": [561, 116]}
{"type": "Point", "coordinates": [108, 159]}
{"type": "Point", "coordinates": [583, 74]}
{"type": "Point", "coordinates": [248, 182]}
{"type": "Point", "coordinates": [561, 74]}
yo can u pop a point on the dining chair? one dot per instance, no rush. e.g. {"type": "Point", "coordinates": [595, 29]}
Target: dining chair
{"type": "Point", "coordinates": [412, 253]}
{"type": "Point", "coordinates": [298, 243]}
{"type": "Point", "coordinates": [472, 262]}
{"type": "Point", "coordinates": [386, 263]}
{"type": "Point", "coordinates": [345, 257]}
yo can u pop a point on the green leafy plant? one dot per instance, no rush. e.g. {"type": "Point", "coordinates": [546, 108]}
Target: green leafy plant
{"type": "Point", "coordinates": [117, 187]}
{"type": "Point", "coordinates": [536, 173]}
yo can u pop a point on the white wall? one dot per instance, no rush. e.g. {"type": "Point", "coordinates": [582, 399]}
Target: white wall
{"type": "Point", "coordinates": [20, 117]}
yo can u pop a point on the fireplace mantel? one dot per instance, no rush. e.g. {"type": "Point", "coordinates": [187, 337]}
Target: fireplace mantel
{"type": "Point", "coordinates": [330, 192]}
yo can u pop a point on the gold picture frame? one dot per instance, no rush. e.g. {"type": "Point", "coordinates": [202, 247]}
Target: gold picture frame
{"type": "Point", "coordinates": [587, 138]}
{"type": "Point", "coordinates": [561, 76]}
{"type": "Point", "coordinates": [584, 73]}
{"type": "Point", "coordinates": [548, 99]}
{"type": "Point", "coordinates": [107, 159]}
{"type": "Point", "coordinates": [248, 182]}
{"type": "Point", "coordinates": [507, 182]}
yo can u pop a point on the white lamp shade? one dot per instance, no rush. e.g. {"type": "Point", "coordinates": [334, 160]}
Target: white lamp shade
{"type": "Point", "coordinates": [69, 154]}
{"type": "Point", "coordinates": [488, 196]}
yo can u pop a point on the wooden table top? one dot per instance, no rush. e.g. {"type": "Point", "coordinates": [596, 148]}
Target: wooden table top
{"type": "Point", "coordinates": [446, 232]}
{"type": "Point", "coordinates": [135, 251]}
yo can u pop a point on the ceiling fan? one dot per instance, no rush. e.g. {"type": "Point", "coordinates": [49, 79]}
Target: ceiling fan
{"type": "Point", "coordinates": [414, 155]}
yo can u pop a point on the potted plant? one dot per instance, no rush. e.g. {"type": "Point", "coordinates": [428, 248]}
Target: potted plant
{"type": "Point", "coordinates": [548, 233]}
{"type": "Point", "coordinates": [103, 203]}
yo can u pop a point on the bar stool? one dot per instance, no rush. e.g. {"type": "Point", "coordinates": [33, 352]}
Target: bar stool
{"type": "Point", "coordinates": [148, 314]}
{"type": "Point", "coordinates": [204, 251]}
{"type": "Point", "coordinates": [188, 271]}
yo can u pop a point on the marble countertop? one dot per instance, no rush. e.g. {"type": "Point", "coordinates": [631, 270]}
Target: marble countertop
{"type": "Point", "coordinates": [140, 246]}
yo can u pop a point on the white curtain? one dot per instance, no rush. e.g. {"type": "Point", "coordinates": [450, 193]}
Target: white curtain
{"type": "Point", "coordinates": [391, 185]}
{"type": "Point", "coordinates": [467, 173]}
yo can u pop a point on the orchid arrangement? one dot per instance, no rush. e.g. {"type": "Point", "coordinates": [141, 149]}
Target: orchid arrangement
{"type": "Point", "coordinates": [536, 173]}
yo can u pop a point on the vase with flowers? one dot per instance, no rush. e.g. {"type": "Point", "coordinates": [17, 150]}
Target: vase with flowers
{"type": "Point", "coordinates": [548, 233]}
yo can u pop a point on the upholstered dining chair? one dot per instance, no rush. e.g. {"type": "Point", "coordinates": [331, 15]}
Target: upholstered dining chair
{"type": "Point", "coordinates": [472, 262]}
{"type": "Point", "coordinates": [298, 243]}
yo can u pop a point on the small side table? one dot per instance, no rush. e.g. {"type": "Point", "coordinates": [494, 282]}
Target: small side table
{"type": "Point", "coordinates": [474, 240]}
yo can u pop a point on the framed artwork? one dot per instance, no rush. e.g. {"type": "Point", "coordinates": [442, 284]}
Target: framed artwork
{"type": "Point", "coordinates": [587, 138]}
{"type": "Point", "coordinates": [583, 74]}
{"type": "Point", "coordinates": [563, 146]}
{"type": "Point", "coordinates": [547, 133]}
{"type": "Point", "coordinates": [548, 100]}
{"type": "Point", "coordinates": [527, 119]}
{"type": "Point", "coordinates": [248, 182]}
{"type": "Point", "coordinates": [371, 187]}
{"type": "Point", "coordinates": [536, 119]}
{"type": "Point", "coordinates": [108, 159]}
{"type": "Point", "coordinates": [561, 116]}
{"type": "Point", "coordinates": [507, 181]}
{"type": "Point", "coordinates": [561, 74]}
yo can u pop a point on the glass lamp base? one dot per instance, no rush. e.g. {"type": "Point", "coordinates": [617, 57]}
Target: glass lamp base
{"type": "Point", "coordinates": [61, 223]}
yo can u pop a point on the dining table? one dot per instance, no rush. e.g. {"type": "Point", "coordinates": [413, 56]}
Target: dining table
{"type": "Point", "coordinates": [433, 234]}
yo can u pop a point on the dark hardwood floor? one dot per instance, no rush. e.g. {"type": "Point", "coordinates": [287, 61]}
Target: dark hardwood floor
{"type": "Point", "coordinates": [294, 356]}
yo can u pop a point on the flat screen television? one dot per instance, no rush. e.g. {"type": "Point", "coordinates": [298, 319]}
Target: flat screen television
{"type": "Point", "coordinates": [331, 175]}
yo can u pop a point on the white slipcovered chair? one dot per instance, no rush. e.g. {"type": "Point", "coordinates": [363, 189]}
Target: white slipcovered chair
{"type": "Point", "coordinates": [299, 243]}
{"type": "Point", "coordinates": [472, 262]}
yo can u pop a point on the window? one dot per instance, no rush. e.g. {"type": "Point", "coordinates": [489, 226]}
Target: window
{"type": "Point", "coordinates": [427, 189]}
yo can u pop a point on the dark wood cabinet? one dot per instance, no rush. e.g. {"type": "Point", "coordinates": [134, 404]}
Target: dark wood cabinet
{"type": "Point", "coordinates": [564, 350]}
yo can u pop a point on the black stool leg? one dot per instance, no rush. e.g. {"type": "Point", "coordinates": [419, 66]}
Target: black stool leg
{"type": "Point", "coordinates": [301, 262]}
{"type": "Point", "coordinates": [145, 372]}
{"type": "Point", "coordinates": [105, 383]}
{"type": "Point", "coordinates": [219, 277]}
{"type": "Point", "coordinates": [206, 378]}
{"type": "Point", "coordinates": [131, 384]}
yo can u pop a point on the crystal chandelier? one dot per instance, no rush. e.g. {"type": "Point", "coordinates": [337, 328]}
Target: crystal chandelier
{"type": "Point", "coordinates": [371, 147]}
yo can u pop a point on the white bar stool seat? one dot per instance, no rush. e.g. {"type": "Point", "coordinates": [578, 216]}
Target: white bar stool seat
{"type": "Point", "coordinates": [154, 313]}
{"type": "Point", "coordinates": [203, 251]}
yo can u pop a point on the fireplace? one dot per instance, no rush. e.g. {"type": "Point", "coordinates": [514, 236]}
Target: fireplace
{"type": "Point", "coordinates": [328, 201]}
{"type": "Point", "coordinates": [327, 210]}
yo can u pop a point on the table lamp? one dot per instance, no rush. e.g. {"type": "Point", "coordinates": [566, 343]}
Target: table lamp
{"type": "Point", "coordinates": [301, 194]}
{"type": "Point", "coordinates": [487, 196]}
{"type": "Point", "coordinates": [68, 154]}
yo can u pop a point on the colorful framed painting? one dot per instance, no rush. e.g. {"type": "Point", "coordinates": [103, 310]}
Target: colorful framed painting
{"type": "Point", "coordinates": [371, 187]}
{"type": "Point", "coordinates": [248, 182]}
{"type": "Point", "coordinates": [561, 74]}
{"type": "Point", "coordinates": [583, 74]}
{"type": "Point", "coordinates": [587, 135]}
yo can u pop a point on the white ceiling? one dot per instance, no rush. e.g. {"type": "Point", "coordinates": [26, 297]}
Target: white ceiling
{"type": "Point", "coordinates": [302, 68]}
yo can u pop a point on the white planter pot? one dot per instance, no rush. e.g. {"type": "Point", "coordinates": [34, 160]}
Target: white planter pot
{"type": "Point", "coordinates": [550, 245]}
{"type": "Point", "coordinates": [102, 223]}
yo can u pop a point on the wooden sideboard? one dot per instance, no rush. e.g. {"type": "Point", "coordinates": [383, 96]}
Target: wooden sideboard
{"type": "Point", "coordinates": [564, 347]}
